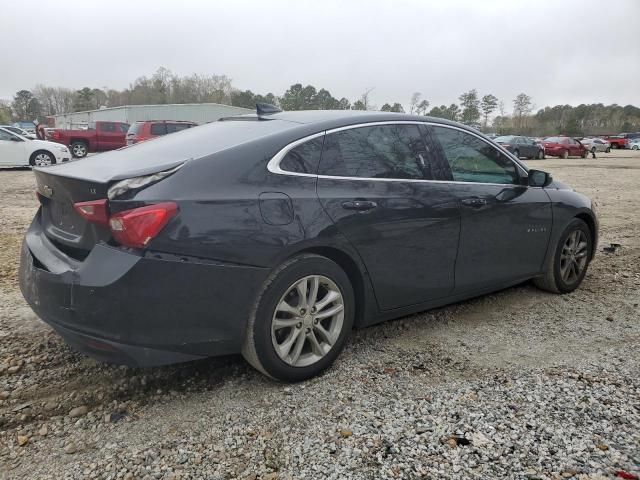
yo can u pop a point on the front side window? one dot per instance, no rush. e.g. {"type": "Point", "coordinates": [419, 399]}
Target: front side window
{"type": "Point", "coordinates": [382, 151]}
{"type": "Point", "coordinates": [473, 160]}
{"type": "Point", "coordinates": [303, 158]}
{"type": "Point", "coordinates": [124, 127]}
{"type": "Point", "coordinates": [5, 135]}
{"type": "Point", "coordinates": [107, 127]}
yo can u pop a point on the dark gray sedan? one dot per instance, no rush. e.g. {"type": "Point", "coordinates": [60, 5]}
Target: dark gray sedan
{"type": "Point", "coordinates": [275, 234]}
{"type": "Point", "coordinates": [521, 146]}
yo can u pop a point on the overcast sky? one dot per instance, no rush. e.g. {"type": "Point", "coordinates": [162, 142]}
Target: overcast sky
{"type": "Point", "coordinates": [581, 51]}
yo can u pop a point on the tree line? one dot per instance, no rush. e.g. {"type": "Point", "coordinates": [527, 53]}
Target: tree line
{"type": "Point", "coordinates": [484, 112]}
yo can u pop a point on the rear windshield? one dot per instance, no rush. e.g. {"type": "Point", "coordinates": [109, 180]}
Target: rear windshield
{"type": "Point", "coordinates": [135, 128]}
{"type": "Point", "coordinates": [505, 139]}
{"type": "Point", "coordinates": [555, 139]}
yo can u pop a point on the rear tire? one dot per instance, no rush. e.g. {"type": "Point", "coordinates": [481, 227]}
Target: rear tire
{"type": "Point", "coordinates": [564, 154]}
{"type": "Point", "coordinates": [79, 149]}
{"type": "Point", "coordinates": [286, 337]}
{"type": "Point", "coordinates": [540, 154]}
{"type": "Point", "coordinates": [585, 153]}
{"type": "Point", "coordinates": [608, 150]}
{"type": "Point", "coordinates": [42, 158]}
{"type": "Point", "coordinates": [555, 278]}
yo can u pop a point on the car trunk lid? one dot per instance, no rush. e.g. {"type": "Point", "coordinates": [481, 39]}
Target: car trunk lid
{"type": "Point", "coordinates": [59, 220]}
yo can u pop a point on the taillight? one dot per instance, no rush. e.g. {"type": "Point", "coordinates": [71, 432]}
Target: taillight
{"type": "Point", "coordinates": [135, 228]}
{"type": "Point", "coordinates": [131, 228]}
{"type": "Point", "coordinates": [95, 211]}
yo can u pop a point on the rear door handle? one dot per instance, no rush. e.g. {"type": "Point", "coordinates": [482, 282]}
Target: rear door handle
{"type": "Point", "coordinates": [360, 205]}
{"type": "Point", "coordinates": [474, 202]}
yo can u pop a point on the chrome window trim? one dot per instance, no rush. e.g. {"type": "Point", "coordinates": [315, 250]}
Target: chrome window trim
{"type": "Point", "coordinates": [274, 164]}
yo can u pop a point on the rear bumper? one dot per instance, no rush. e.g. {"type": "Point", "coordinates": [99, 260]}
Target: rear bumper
{"type": "Point", "coordinates": [124, 308]}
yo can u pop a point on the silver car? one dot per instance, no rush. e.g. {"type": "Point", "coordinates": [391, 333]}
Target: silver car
{"type": "Point", "coordinates": [596, 145]}
{"type": "Point", "coordinates": [634, 144]}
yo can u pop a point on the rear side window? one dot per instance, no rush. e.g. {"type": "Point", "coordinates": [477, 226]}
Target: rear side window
{"type": "Point", "coordinates": [473, 160]}
{"type": "Point", "coordinates": [304, 158]}
{"type": "Point", "coordinates": [107, 127]}
{"type": "Point", "coordinates": [158, 129]}
{"type": "Point", "coordinates": [383, 151]}
{"type": "Point", "coordinates": [124, 127]}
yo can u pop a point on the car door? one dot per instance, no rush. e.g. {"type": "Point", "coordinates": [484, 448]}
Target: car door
{"type": "Point", "coordinates": [532, 147]}
{"type": "Point", "coordinates": [574, 148]}
{"type": "Point", "coordinates": [505, 224]}
{"type": "Point", "coordinates": [12, 149]}
{"type": "Point", "coordinates": [375, 183]}
{"type": "Point", "coordinates": [107, 136]}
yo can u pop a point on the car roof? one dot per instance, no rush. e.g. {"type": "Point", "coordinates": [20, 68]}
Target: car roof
{"type": "Point", "coordinates": [326, 119]}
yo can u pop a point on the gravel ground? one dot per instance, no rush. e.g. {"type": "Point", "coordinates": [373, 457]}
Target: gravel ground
{"type": "Point", "coordinates": [518, 384]}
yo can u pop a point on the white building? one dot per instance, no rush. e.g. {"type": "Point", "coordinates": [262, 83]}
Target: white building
{"type": "Point", "coordinates": [194, 112]}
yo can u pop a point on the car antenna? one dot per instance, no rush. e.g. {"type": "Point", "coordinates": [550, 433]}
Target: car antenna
{"type": "Point", "coordinates": [266, 109]}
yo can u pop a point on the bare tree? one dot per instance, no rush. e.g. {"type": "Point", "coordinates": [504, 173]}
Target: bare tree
{"type": "Point", "coordinates": [415, 100]}
{"type": "Point", "coordinates": [522, 107]}
{"type": "Point", "coordinates": [364, 98]}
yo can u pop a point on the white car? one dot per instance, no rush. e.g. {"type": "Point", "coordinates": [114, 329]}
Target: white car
{"type": "Point", "coordinates": [596, 145]}
{"type": "Point", "coordinates": [19, 151]}
{"type": "Point", "coordinates": [20, 131]}
{"type": "Point", "coordinates": [634, 144]}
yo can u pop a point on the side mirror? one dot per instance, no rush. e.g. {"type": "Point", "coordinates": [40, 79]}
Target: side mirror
{"type": "Point", "coordinates": [538, 178]}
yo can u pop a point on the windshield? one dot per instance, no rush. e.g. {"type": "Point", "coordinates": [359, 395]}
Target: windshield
{"type": "Point", "coordinates": [554, 139]}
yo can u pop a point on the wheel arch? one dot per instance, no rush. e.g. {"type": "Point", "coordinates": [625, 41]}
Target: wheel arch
{"type": "Point", "coordinates": [591, 223]}
{"type": "Point", "coordinates": [32, 157]}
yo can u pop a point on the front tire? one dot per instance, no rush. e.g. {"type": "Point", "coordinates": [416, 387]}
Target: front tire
{"type": "Point", "coordinates": [566, 269]}
{"type": "Point", "coordinates": [564, 155]}
{"type": "Point", "coordinates": [301, 319]}
{"type": "Point", "coordinates": [635, 147]}
{"type": "Point", "coordinates": [608, 150]}
{"type": "Point", "coordinates": [541, 154]}
{"type": "Point", "coordinates": [42, 158]}
{"type": "Point", "coordinates": [79, 149]}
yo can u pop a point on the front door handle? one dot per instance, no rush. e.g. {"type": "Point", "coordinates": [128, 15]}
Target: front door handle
{"type": "Point", "coordinates": [474, 202]}
{"type": "Point", "coordinates": [360, 205]}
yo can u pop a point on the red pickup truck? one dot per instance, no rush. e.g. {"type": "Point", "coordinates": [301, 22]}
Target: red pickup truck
{"type": "Point", "coordinates": [617, 141]}
{"type": "Point", "coordinates": [98, 137]}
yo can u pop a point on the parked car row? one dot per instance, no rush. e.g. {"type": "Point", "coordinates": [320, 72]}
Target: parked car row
{"type": "Point", "coordinates": [105, 136]}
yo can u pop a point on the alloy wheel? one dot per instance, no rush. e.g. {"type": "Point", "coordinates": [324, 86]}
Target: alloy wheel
{"type": "Point", "coordinates": [573, 258]}
{"type": "Point", "coordinates": [307, 321]}
{"type": "Point", "coordinates": [79, 150]}
{"type": "Point", "coordinates": [42, 160]}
